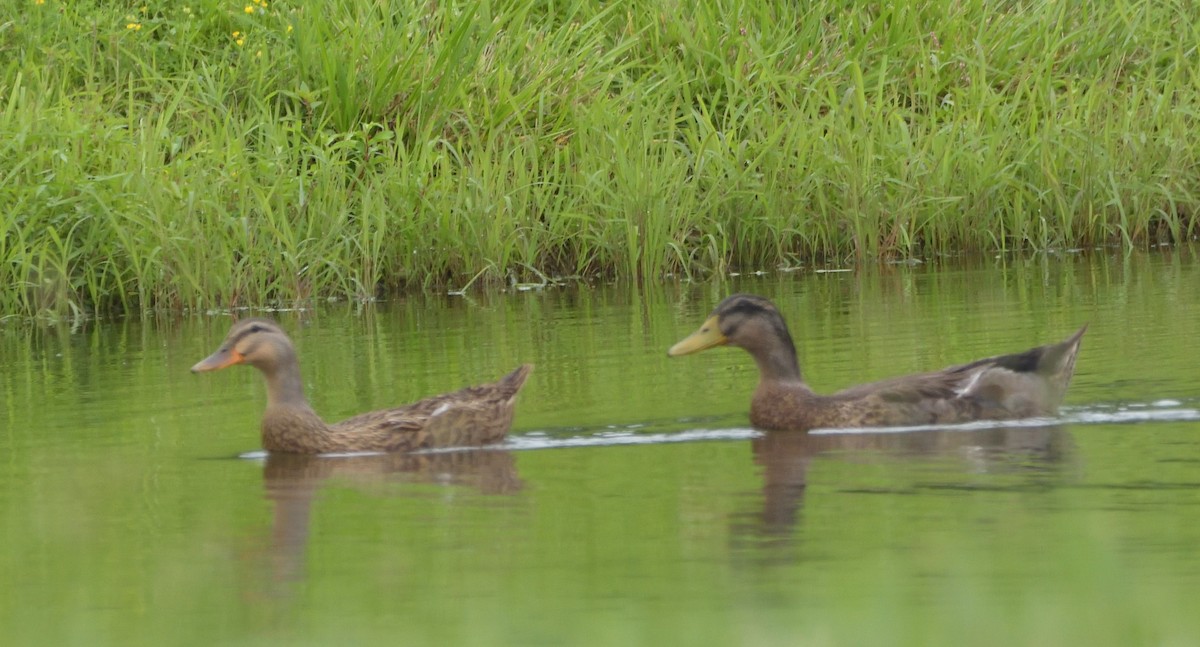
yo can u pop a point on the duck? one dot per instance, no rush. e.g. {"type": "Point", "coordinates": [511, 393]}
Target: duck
{"type": "Point", "coordinates": [475, 415]}
{"type": "Point", "coordinates": [1027, 384]}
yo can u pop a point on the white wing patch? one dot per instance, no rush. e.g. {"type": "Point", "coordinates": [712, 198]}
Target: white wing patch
{"type": "Point", "coordinates": [970, 385]}
{"type": "Point", "coordinates": [442, 408]}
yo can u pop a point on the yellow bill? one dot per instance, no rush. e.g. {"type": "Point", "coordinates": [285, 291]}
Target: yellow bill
{"type": "Point", "coordinates": [708, 336]}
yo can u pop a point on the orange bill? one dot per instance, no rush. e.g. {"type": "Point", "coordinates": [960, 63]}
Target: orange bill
{"type": "Point", "coordinates": [222, 358]}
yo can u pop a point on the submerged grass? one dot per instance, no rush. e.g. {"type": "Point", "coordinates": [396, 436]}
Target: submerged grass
{"type": "Point", "coordinates": [216, 154]}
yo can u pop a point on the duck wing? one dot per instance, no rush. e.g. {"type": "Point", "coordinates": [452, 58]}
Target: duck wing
{"type": "Point", "coordinates": [1018, 385]}
{"type": "Point", "coordinates": [474, 415]}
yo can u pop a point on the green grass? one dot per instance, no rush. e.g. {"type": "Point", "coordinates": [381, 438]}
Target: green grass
{"type": "Point", "coordinates": [195, 155]}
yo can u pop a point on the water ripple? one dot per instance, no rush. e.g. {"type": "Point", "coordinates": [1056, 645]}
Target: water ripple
{"type": "Point", "coordinates": [635, 434]}
{"type": "Point", "coordinates": [541, 440]}
{"type": "Point", "coordinates": [1158, 411]}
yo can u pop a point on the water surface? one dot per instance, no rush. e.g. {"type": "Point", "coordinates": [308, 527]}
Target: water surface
{"type": "Point", "coordinates": [634, 504]}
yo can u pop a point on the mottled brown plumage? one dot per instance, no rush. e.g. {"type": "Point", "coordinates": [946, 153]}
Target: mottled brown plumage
{"type": "Point", "coordinates": [1021, 385]}
{"type": "Point", "coordinates": [475, 415]}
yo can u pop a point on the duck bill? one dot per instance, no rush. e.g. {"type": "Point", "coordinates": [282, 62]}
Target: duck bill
{"type": "Point", "coordinates": [708, 336]}
{"type": "Point", "coordinates": [222, 358]}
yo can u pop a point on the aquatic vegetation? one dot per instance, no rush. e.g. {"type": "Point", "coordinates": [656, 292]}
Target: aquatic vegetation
{"type": "Point", "coordinates": [224, 153]}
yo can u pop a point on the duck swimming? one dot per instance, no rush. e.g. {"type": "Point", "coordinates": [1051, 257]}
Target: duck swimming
{"type": "Point", "coordinates": [476, 415]}
{"type": "Point", "coordinates": [1020, 385]}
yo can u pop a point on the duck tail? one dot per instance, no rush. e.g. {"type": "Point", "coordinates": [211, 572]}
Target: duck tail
{"type": "Point", "coordinates": [1055, 364]}
{"type": "Point", "coordinates": [1059, 359]}
{"type": "Point", "coordinates": [510, 384]}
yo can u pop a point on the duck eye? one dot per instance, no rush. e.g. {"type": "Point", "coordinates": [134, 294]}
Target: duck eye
{"type": "Point", "coordinates": [256, 328]}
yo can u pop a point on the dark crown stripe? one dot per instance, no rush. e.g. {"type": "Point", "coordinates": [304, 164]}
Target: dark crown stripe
{"type": "Point", "coordinates": [744, 304]}
{"type": "Point", "coordinates": [253, 326]}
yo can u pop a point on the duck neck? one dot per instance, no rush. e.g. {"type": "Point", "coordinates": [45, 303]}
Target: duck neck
{"type": "Point", "coordinates": [290, 424]}
{"type": "Point", "coordinates": [285, 388]}
{"type": "Point", "coordinates": [777, 360]}
{"type": "Point", "coordinates": [779, 364]}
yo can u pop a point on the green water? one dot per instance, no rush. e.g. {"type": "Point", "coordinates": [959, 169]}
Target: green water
{"type": "Point", "coordinates": [633, 505]}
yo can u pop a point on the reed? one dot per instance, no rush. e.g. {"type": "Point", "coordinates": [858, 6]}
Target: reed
{"type": "Point", "coordinates": [215, 154]}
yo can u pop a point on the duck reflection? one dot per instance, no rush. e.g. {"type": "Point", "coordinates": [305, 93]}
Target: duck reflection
{"type": "Point", "coordinates": [785, 457]}
{"type": "Point", "coordinates": [291, 482]}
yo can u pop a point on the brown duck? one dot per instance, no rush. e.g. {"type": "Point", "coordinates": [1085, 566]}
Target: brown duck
{"type": "Point", "coordinates": [474, 415]}
{"type": "Point", "coordinates": [1021, 385]}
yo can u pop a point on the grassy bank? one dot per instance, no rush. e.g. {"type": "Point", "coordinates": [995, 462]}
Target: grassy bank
{"type": "Point", "coordinates": [206, 154]}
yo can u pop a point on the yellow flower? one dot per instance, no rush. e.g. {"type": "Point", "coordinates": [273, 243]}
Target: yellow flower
{"type": "Point", "coordinates": [39, 1]}
{"type": "Point", "coordinates": [239, 38]}
{"type": "Point", "coordinates": [249, 8]}
{"type": "Point", "coordinates": [134, 26]}
{"type": "Point", "coordinates": [289, 29]}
